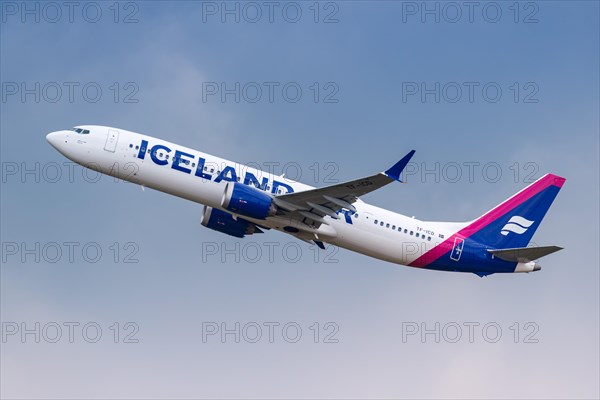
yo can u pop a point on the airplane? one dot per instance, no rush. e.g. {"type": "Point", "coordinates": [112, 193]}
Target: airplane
{"type": "Point", "coordinates": [240, 201]}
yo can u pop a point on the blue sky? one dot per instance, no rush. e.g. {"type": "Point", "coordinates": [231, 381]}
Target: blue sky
{"type": "Point", "coordinates": [546, 119]}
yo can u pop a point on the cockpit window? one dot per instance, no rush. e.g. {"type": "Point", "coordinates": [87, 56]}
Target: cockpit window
{"type": "Point", "coordinates": [80, 131]}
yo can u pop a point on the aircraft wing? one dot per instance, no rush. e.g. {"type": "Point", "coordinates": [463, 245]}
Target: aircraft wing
{"type": "Point", "coordinates": [311, 206]}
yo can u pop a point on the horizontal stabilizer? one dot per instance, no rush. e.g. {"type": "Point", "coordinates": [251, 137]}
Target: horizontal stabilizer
{"type": "Point", "coordinates": [524, 254]}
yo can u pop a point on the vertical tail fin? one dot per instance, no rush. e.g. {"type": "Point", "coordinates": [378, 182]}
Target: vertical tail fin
{"type": "Point", "coordinates": [512, 223]}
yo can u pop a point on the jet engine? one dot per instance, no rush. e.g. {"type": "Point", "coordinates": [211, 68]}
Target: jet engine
{"type": "Point", "coordinates": [248, 201]}
{"type": "Point", "coordinates": [222, 221]}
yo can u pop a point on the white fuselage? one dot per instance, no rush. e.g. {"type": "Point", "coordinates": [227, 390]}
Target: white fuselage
{"type": "Point", "coordinates": [178, 170]}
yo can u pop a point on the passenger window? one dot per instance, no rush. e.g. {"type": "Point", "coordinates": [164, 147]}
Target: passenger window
{"type": "Point", "coordinates": [381, 223]}
{"type": "Point", "coordinates": [387, 225]}
{"type": "Point", "coordinates": [137, 147]}
{"type": "Point", "coordinates": [130, 146]}
{"type": "Point", "coordinates": [355, 215]}
{"type": "Point", "coordinates": [406, 231]}
{"type": "Point", "coordinates": [193, 164]}
{"type": "Point", "coordinates": [411, 233]}
{"type": "Point", "coordinates": [393, 227]}
{"type": "Point", "coordinates": [422, 236]}
{"type": "Point", "coordinates": [399, 229]}
{"type": "Point", "coordinates": [376, 222]}
{"type": "Point", "coordinates": [429, 238]}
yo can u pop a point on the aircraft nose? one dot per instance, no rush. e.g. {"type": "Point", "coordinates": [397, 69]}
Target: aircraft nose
{"type": "Point", "coordinates": [54, 138]}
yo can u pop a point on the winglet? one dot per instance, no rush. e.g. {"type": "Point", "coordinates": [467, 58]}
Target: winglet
{"type": "Point", "coordinates": [395, 171]}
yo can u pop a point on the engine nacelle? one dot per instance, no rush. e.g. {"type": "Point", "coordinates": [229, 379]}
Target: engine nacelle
{"type": "Point", "coordinates": [248, 201]}
{"type": "Point", "coordinates": [222, 221]}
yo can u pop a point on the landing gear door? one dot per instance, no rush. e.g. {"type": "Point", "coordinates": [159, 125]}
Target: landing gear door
{"type": "Point", "coordinates": [111, 140]}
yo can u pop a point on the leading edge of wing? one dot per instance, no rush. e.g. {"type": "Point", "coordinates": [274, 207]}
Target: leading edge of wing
{"type": "Point", "coordinates": [349, 191]}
